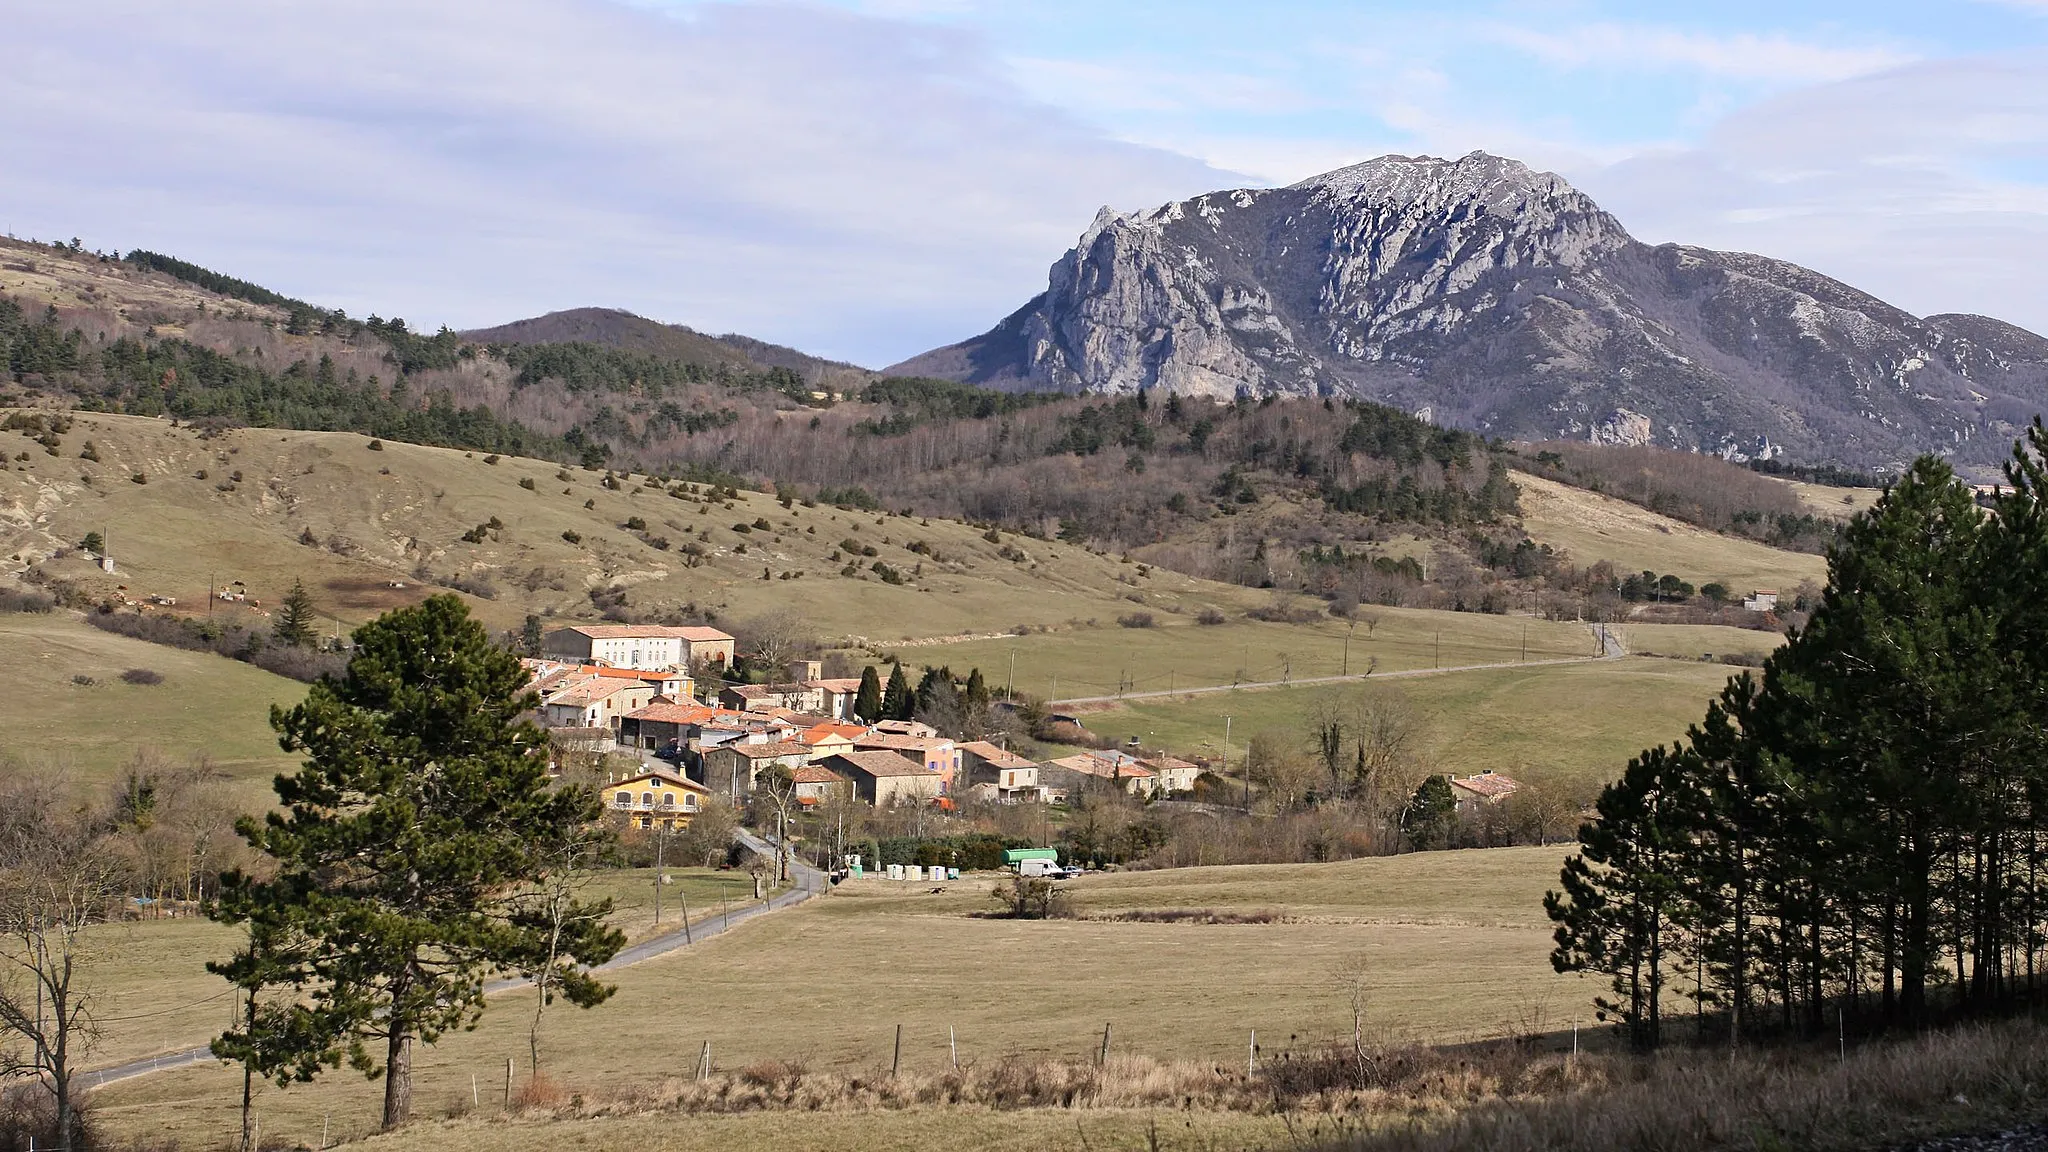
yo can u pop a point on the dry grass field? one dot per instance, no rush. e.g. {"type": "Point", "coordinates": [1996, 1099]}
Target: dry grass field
{"type": "Point", "coordinates": [1830, 500]}
{"type": "Point", "coordinates": [1569, 726]}
{"type": "Point", "coordinates": [1456, 944]}
{"type": "Point", "coordinates": [1698, 640]}
{"type": "Point", "coordinates": [1592, 527]}
{"type": "Point", "coordinates": [379, 517]}
{"type": "Point", "coordinates": [206, 706]}
{"type": "Point", "coordinates": [907, 1130]}
{"type": "Point", "coordinates": [1178, 653]}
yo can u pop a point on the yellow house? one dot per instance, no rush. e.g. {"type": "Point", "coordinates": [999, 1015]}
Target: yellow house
{"type": "Point", "coordinates": [655, 800]}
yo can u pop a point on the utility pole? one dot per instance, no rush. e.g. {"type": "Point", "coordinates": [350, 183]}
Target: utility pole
{"type": "Point", "coordinates": [1010, 684]}
{"type": "Point", "coordinates": [1347, 647]}
{"type": "Point", "coordinates": [660, 842]}
{"type": "Point", "coordinates": [1525, 643]}
{"type": "Point", "coordinates": [1439, 650]}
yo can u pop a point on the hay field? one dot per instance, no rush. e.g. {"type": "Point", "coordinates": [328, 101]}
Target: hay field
{"type": "Point", "coordinates": [207, 705]}
{"type": "Point", "coordinates": [1456, 942]}
{"type": "Point", "coordinates": [1569, 726]}
{"type": "Point", "coordinates": [1697, 640]}
{"type": "Point", "coordinates": [379, 517]}
{"type": "Point", "coordinates": [1832, 501]}
{"type": "Point", "coordinates": [1178, 653]}
{"type": "Point", "coordinates": [1592, 527]}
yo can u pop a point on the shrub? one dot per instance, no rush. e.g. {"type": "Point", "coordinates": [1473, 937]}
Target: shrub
{"type": "Point", "coordinates": [91, 452]}
{"type": "Point", "coordinates": [1210, 617]}
{"type": "Point", "coordinates": [85, 681]}
{"type": "Point", "coordinates": [142, 676]}
{"type": "Point", "coordinates": [492, 458]}
{"type": "Point", "coordinates": [527, 483]}
{"type": "Point", "coordinates": [375, 445]}
{"type": "Point", "coordinates": [889, 575]}
{"type": "Point", "coordinates": [635, 524]}
{"type": "Point", "coordinates": [1136, 620]}
{"type": "Point", "coordinates": [24, 600]}
{"type": "Point", "coordinates": [573, 536]}
{"type": "Point", "coordinates": [138, 478]}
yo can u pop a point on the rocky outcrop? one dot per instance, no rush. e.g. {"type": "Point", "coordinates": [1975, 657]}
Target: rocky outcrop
{"type": "Point", "coordinates": [1504, 300]}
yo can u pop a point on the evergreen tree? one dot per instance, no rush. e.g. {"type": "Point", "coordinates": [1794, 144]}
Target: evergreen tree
{"type": "Point", "coordinates": [898, 702]}
{"type": "Point", "coordinates": [867, 703]}
{"type": "Point", "coordinates": [530, 635]}
{"type": "Point", "coordinates": [422, 807]}
{"type": "Point", "coordinates": [295, 625]}
{"type": "Point", "coordinates": [1431, 814]}
{"type": "Point", "coordinates": [938, 701]}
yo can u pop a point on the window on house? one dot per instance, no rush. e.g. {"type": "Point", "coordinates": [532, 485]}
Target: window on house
{"type": "Point", "coordinates": [689, 802]}
{"type": "Point", "coordinates": [623, 800]}
{"type": "Point", "coordinates": [668, 800]}
{"type": "Point", "coordinates": [647, 799]}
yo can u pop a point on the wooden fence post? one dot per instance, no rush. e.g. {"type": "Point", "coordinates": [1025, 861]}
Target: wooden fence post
{"type": "Point", "coordinates": [1102, 1057]}
{"type": "Point", "coordinates": [896, 1060]}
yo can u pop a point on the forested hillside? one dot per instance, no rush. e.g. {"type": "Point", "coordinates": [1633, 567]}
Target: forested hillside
{"type": "Point", "coordinates": [1345, 499]}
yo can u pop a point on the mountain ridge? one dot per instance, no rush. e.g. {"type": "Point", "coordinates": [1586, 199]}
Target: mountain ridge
{"type": "Point", "coordinates": [1494, 297]}
{"type": "Point", "coordinates": [631, 332]}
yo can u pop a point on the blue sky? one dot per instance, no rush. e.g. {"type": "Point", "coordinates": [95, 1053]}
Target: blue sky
{"type": "Point", "coordinates": [868, 178]}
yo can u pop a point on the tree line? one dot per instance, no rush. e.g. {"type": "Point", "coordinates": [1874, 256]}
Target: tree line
{"type": "Point", "coordinates": [1860, 832]}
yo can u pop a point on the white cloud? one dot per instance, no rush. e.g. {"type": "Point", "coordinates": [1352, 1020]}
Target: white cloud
{"type": "Point", "coordinates": [1925, 185]}
{"type": "Point", "coordinates": [1742, 56]}
{"type": "Point", "coordinates": [860, 187]}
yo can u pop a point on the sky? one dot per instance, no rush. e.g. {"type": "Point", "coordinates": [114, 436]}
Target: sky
{"type": "Point", "coordinates": [867, 179]}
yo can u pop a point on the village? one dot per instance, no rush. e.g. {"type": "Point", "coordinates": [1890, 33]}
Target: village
{"type": "Point", "coordinates": [623, 693]}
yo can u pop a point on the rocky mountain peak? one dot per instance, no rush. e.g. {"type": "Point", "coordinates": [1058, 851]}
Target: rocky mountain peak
{"type": "Point", "coordinates": [1502, 299]}
{"type": "Point", "coordinates": [1476, 177]}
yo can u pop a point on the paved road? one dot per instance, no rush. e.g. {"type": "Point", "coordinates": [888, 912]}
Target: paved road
{"type": "Point", "coordinates": [1610, 648]}
{"type": "Point", "coordinates": [806, 883]}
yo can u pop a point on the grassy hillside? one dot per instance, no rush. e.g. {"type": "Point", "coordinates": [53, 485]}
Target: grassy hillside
{"type": "Point", "coordinates": [397, 515]}
{"type": "Point", "coordinates": [1571, 726]}
{"type": "Point", "coordinates": [206, 706]}
{"type": "Point", "coordinates": [1592, 527]}
{"type": "Point", "coordinates": [1178, 653]}
{"type": "Point", "coordinates": [1455, 942]}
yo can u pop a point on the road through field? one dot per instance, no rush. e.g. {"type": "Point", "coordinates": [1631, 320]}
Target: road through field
{"type": "Point", "coordinates": [1611, 648]}
{"type": "Point", "coordinates": [806, 880]}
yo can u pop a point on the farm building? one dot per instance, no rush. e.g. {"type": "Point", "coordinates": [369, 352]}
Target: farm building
{"type": "Point", "coordinates": [883, 778]}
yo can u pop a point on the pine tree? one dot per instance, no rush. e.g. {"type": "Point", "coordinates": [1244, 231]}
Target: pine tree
{"type": "Point", "coordinates": [295, 625]}
{"type": "Point", "coordinates": [867, 703]}
{"type": "Point", "coordinates": [1615, 914]}
{"type": "Point", "coordinates": [530, 635]}
{"type": "Point", "coordinates": [1431, 813]}
{"type": "Point", "coordinates": [422, 804]}
{"type": "Point", "coordinates": [898, 702]}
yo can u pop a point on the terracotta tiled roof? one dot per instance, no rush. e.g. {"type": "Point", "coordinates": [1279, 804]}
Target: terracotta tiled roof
{"type": "Point", "coordinates": [769, 751]}
{"type": "Point", "coordinates": [900, 743]}
{"type": "Point", "coordinates": [589, 692]}
{"type": "Point", "coordinates": [881, 764]}
{"type": "Point", "coordinates": [1097, 766]}
{"type": "Point", "coordinates": [679, 714]}
{"type": "Point", "coordinates": [696, 635]}
{"type": "Point", "coordinates": [819, 732]}
{"type": "Point", "coordinates": [998, 757]}
{"type": "Point", "coordinates": [1490, 785]}
{"type": "Point", "coordinates": [660, 778]}
{"type": "Point", "coordinates": [813, 774]}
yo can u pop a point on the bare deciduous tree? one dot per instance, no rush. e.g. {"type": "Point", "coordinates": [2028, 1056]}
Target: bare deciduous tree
{"type": "Point", "coordinates": [58, 880]}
